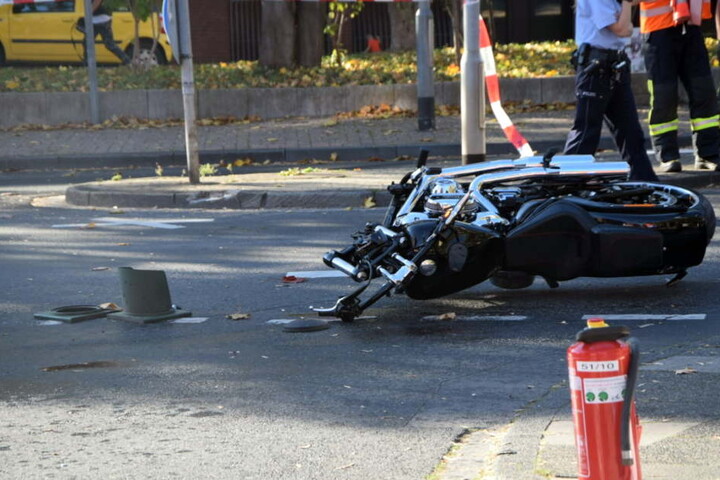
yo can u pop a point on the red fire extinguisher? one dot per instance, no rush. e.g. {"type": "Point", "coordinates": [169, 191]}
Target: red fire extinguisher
{"type": "Point", "coordinates": [603, 367]}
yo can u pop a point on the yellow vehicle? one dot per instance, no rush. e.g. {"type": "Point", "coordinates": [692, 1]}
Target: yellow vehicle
{"type": "Point", "coordinates": [46, 32]}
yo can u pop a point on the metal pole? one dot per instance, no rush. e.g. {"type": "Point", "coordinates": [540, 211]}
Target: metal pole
{"type": "Point", "coordinates": [472, 88]}
{"type": "Point", "coordinates": [188, 91]}
{"type": "Point", "coordinates": [91, 62]}
{"type": "Point", "coordinates": [425, 88]}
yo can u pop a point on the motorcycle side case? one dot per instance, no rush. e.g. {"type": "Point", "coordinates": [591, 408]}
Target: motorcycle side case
{"type": "Point", "coordinates": [566, 240]}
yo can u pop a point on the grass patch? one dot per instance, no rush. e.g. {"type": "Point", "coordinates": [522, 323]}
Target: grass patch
{"type": "Point", "coordinates": [385, 68]}
{"type": "Point", "coordinates": [534, 59]}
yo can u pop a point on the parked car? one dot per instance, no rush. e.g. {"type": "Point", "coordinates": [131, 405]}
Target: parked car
{"type": "Point", "coordinates": [46, 32]}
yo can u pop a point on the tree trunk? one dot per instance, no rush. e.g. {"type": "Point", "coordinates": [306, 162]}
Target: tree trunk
{"type": "Point", "coordinates": [277, 34]}
{"type": "Point", "coordinates": [402, 26]}
{"type": "Point", "coordinates": [454, 11]}
{"type": "Point", "coordinates": [310, 21]}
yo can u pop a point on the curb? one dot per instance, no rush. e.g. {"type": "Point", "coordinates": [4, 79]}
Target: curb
{"type": "Point", "coordinates": [278, 155]}
{"type": "Point", "coordinates": [85, 195]}
{"type": "Point", "coordinates": [115, 195]}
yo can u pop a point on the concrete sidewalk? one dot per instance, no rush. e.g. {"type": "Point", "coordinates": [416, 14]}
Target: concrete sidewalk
{"type": "Point", "coordinates": [287, 140]}
{"type": "Point", "coordinates": [349, 162]}
{"type": "Point", "coordinates": [382, 149]}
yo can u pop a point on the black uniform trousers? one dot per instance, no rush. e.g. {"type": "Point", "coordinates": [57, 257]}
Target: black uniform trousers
{"type": "Point", "coordinates": [604, 95]}
{"type": "Point", "coordinates": [679, 53]}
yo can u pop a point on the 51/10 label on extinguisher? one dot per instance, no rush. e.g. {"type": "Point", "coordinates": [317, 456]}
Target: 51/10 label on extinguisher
{"type": "Point", "coordinates": [604, 390]}
{"type": "Point", "coordinates": [606, 366]}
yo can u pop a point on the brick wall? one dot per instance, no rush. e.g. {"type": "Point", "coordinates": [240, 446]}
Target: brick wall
{"type": "Point", "coordinates": [210, 26]}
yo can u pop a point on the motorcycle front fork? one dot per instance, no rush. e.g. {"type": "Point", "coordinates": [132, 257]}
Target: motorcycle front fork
{"type": "Point", "coordinates": [349, 307]}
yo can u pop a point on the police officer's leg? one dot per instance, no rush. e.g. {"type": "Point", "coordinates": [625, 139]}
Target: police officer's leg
{"type": "Point", "coordinates": [105, 32]}
{"type": "Point", "coordinates": [661, 64]}
{"type": "Point", "coordinates": [622, 119]}
{"type": "Point", "coordinates": [698, 82]}
{"type": "Point", "coordinates": [591, 91]}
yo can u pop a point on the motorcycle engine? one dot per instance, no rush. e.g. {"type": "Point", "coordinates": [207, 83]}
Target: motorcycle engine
{"type": "Point", "coordinates": [444, 196]}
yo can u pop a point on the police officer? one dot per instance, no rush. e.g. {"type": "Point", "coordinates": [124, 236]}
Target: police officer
{"type": "Point", "coordinates": [602, 85]}
{"type": "Point", "coordinates": [676, 50]}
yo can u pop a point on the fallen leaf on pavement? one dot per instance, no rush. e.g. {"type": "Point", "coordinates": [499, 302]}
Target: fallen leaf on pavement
{"type": "Point", "coordinates": [109, 306]}
{"type": "Point", "coordinates": [369, 202]}
{"type": "Point", "coordinates": [241, 162]}
{"type": "Point", "coordinates": [238, 316]}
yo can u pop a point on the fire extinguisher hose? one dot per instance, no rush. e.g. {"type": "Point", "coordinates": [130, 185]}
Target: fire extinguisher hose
{"type": "Point", "coordinates": [627, 457]}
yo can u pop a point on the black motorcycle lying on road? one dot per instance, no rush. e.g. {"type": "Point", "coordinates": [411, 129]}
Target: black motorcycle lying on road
{"type": "Point", "coordinates": [557, 217]}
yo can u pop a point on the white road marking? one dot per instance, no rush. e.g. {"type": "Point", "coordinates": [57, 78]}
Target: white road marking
{"type": "Point", "coordinates": [285, 321]}
{"type": "Point", "coordinates": [48, 323]}
{"type": "Point", "coordinates": [190, 320]}
{"type": "Point", "coordinates": [645, 318]}
{"type": "Point", "coordinates": [491, 318]}
{"type": "Point", "coordinates": [316, 274]}
{"type": "Point", "coordinates": [167, 224]}
{"type": "Point", "coordinates": [700, 364]}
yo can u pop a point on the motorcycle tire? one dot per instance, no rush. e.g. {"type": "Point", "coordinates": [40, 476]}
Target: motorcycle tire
{"type": "Point", "coordinates": [710, 220]}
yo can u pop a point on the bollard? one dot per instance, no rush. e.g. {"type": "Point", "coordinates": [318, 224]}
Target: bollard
{"type": "Point", "coordinates": [425, 89]}
{"type": "Point", "coordinates": [146, 297]}
{"type": "Point", "coordinates": [472, 89]}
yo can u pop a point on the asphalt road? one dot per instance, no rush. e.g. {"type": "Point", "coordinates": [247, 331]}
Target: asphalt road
{"type": "Point", "coordinates": [383, 398]}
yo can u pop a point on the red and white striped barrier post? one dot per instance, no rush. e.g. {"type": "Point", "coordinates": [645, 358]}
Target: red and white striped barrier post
{"type": "Point", "coordinates": [492, 85]}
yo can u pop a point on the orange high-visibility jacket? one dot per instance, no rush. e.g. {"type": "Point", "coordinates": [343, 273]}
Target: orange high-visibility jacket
{"type": "Point", "coordinates": [669, 13]}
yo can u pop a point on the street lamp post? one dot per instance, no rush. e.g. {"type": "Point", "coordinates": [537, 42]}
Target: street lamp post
{"type": "Point", "coordinates": [91, 62]}
{"type": "Point", "coordinates": [188, 91]}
